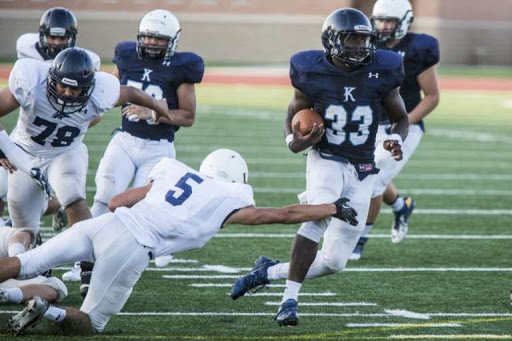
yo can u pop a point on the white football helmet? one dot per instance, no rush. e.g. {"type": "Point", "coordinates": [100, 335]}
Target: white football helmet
{"type": "Point", "coordinates": [160, 24]}
{"type": "Point", "coordinates": [225, 165]}
{"type": "Point", "coordinates": [400, 10]}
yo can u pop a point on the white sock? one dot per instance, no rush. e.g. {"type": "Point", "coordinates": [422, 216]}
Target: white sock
{"type": "Point", "coordinates": [55, 314]}
{"type": "Point", "coordinates": [14, 295]}
{"type": "Point", "coordinates": [366, 230]}
{"type": "Point", "coordinates": [15, 249]}
{"type": "Point", "coordinates": [291, 291]}
{"type": "Point", "coordinates": [278, 271]}
{"type": "Point", "coordinates": [398, 204]}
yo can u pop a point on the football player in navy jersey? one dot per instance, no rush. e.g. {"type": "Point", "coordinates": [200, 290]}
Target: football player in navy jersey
{"type": "Point", "coordinates": [151, 64]}
{"type": "Point", "coordinates": [349, 85]}
{"type": "Point", "coordinates": [391, 20]}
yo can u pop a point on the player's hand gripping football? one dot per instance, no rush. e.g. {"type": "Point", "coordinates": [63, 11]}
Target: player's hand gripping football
{"type": "Point", "coordinates": [345, 212]}
{"type": "Point", "coordinates": [301, 142]}
{"type": "Point", "coordinates": [394, 147]}
{"type": "Point", "coordinates": [41, 180]}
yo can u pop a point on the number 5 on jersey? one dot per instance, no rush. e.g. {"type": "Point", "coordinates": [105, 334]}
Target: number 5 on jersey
{"type": "Point", "coordinates": [185, 187]}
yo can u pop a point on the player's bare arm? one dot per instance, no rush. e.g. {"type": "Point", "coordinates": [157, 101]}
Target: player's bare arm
{"type": "Point", "coordinates": [430, 87]}
{"type": "Point", "coordinates": [294, 214]}
{"type": "Point", "coordinates": [300, 142]}
{"type": "Point", "coordinates": [115, 72]}
{"type": "Point", "coordinates": [183, 116]}
{"type": "Point", "coordinates": [139, 97]}
{"type": "Point", "coordinates": [129, 198]}
{"type": "Point", "coordinates": [395, 108]}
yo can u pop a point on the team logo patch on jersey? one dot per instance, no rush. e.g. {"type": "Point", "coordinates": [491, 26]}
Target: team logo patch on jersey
{"type": "Point", "coordinates": [348, 93]}
{"type": "Point", "coordinates": [145, 76]}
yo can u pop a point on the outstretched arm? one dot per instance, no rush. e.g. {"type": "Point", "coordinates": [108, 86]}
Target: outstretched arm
{"type": "Point", "coordinates": [428, 84]}
{"type": "Point", "coordinates": [395, 108]}
{"type": "Point", "coordinates": [294, 214]}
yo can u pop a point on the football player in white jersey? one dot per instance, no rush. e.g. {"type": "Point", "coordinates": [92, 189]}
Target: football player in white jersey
{"type": "Point", "coordinates": [57, 30]}
{"type": "Point", "coordinates": [180, 209]}
{"type": "Point", "coordinates": [57, 103]}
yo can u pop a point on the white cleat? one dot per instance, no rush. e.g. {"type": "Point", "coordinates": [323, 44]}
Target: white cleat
{"type": "Point", "coordinates": [30, 316]}
{"type": "Point", "coordinates": [401, 225]}
{"type": "Point", "coordinates": [73, 275]}
{"type": "Point", "coordinates": [163, 261]}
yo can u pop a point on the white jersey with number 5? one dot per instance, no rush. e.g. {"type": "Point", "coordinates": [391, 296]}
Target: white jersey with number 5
{"type": "Point", "coordinates": [41, 130]}
{"type": "Point", "coordinates": [27, 47]}
{"type": "Point", "coordinates": [183, 209]}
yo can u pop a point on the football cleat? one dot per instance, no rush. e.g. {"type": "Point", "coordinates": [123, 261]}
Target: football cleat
{"type": "Point", "coordinates": [72, 275]}
{"type": "Point", "coordinates": [4, 297]}
{"type": "Point", "coordinates": [30, 316]}
{"type": "Point", "coordinates": [254, 280]}
{"type": "Point", "coordinates": [401, 225]}
{"type": "Point", "coordinates": [287, 315]}
{"type": "Point", "coordinates": [59, 220]}
{"type": "Point", "coordinates": [358, 250]}
{"type": "Point", "coordinates": [85, 277]}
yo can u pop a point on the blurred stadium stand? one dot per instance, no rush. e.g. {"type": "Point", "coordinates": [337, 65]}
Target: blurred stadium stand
{"type": "Point", "coordinates": [266, 31]}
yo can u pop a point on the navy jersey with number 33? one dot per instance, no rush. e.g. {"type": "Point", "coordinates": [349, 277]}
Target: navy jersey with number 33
{"type": "Point", "coordinates": [160, 79]}
{"type": "Point", "coordinates": [350, 102]}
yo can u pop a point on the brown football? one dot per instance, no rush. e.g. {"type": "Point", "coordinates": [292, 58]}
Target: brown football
{"type": "Point", "coordinates": [306, 119]}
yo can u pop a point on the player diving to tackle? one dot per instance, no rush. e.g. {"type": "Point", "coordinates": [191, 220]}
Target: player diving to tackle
{"type": "Point", "coordinates": [180, 209]}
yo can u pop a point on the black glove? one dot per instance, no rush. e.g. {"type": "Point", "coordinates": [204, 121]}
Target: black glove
{"type": "Point", "coordinates": [345, 212]}
{"type": "Point", "coordinates": [41, 180]}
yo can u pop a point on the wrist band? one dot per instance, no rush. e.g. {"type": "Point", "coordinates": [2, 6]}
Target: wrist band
{"type": "Point", "coordinates": [289, 139]}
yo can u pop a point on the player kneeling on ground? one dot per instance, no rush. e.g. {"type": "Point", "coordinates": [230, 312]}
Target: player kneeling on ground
{"type": "Point", "coordinates": [180, 209]}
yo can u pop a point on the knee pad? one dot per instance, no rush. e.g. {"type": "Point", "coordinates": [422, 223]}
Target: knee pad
{"type": "Point", "coordinates": [59, 286]}
{"type": "Point", "coordinates": [314, 230]}
{"type": "Point", "coordinates": [335, 262]}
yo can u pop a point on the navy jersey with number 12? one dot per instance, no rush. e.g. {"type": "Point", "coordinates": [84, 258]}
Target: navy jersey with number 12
{"type": "Point", "coordinates": [350, 102]}
{"type": "Point", "coordinates": [160, 79]}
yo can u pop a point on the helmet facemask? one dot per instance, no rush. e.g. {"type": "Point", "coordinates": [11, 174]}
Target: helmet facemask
{"type": "Point", "coordinates": [148, 51]}
{"type": "Point", "coordinates": [351, 48]}
{"type": "Point", "coordinates": [66, 105]}
{"type": "Point", "coordinates": [52, 50]}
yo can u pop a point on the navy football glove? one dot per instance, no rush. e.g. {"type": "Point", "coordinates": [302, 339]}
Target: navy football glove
{"type": "Point", "coordinates": [41, 180]}
{"type": "Point", "coordinates": [345, 212]}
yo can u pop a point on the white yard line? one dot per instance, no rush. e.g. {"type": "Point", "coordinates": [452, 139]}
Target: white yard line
{"type": "Point", "coordinates": [328, 304]}
{"type": "Point", "coordinates": [477, 337]}
{"type": "Point", "coordinates": [425, 325]}
{"type": "Point", "coordinates": [228, 285]}
{"type": "Point", "coordinates": [407, 314]}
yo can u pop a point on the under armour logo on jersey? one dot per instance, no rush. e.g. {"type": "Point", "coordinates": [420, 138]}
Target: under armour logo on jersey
{"type": "Point", "coordinates": [348, 93]}
{"type": "Point", "coordinates": [402, 53]}
{"type": "Point", "coordinates": [373, 75]}
{"type": "Point", "coordinates": [145, 76]}
{"type": "Point", "coordinates": [166, 63]}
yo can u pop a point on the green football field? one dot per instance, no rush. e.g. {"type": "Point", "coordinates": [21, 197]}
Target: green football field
{"type": "Point", "coordinates": [450, 279]}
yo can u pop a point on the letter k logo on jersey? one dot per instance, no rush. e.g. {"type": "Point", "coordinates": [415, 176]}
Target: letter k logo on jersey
{"type": "Point", "coordinates": [348, 93]}
{"type": "Point", "coordinates": [145, 76]}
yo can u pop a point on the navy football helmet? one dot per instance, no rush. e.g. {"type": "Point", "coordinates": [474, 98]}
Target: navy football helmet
{"type": "Point", "coordinates": [347, 36]}
{"type": "Point", "coordinates": [57, 22]}
{"type": "Point", "coordinates": [73, 68]}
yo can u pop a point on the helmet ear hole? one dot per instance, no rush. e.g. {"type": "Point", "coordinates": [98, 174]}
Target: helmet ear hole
{"type": "Point", "coordinates": [225, 165]}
